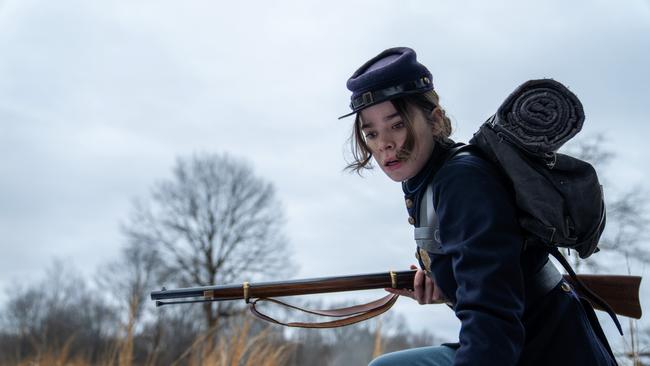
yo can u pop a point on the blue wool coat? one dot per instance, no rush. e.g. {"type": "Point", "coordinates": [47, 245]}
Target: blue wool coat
{"type": "Point", "coordinates": [484, 271]}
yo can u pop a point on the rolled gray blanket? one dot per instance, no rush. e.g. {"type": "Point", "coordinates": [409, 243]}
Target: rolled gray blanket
{"type": "Point", "coordinates": [539, 116]}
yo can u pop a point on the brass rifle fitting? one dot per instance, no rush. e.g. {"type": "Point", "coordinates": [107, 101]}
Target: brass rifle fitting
{"type": "Point", "coordinates": [393, 279]}
{"type": "Point", "coordinates": [246, 287]}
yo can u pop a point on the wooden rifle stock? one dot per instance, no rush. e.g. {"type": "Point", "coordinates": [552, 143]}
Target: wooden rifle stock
{"type": "Point", "coordinates": [620, 292]}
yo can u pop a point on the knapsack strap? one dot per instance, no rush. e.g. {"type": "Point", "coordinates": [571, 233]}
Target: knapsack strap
{"type": "Point", "coordinates": [353, 314]}
{"type": "Point", "coordinates": [427, 234]}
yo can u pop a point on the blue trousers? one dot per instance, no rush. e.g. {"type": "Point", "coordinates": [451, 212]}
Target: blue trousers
{"type": "Point", "coordinates": [424, 356]}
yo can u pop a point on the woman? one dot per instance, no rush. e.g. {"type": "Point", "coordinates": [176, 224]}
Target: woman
{"type": "Point", "coordinates": [513, 306]}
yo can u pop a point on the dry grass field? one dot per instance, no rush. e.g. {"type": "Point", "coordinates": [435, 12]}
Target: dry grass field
{"type": "Point", "coordinates": [240, 349]}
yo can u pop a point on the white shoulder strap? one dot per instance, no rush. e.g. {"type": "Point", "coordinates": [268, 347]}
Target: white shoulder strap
{"type": "Point", "coordinates": [427, 235]}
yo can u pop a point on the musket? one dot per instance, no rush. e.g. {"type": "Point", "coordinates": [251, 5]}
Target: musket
{"type": "Point", "coordinates": [619, 291]}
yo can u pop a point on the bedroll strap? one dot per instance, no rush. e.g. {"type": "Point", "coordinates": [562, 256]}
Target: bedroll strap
{"type": "Point", "coordinates": [350, 315]}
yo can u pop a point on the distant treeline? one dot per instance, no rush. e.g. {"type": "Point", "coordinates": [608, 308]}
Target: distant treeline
{"type": "Point", "coordinates": [65, 320]}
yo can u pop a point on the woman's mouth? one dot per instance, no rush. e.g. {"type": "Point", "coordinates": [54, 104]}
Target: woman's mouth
{"type": "Point", "coordinates": [392, 164]}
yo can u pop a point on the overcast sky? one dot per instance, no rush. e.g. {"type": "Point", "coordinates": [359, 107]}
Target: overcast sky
{"type": "Point", "coordinates": [98, 98]}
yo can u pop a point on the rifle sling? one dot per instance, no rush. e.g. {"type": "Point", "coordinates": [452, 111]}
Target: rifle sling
{"type": "Point", "coordinates": [352, 314]}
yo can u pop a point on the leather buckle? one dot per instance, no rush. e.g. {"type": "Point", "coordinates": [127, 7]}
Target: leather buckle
{"type": "Point", "coordinates": [367, 98]}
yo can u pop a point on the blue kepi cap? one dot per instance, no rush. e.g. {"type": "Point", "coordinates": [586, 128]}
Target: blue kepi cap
{"type": "Point", "coordinates": [391, 74]}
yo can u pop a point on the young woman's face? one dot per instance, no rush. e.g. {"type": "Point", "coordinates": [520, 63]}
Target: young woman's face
{"type": "Point", "coordinates": [385, 135]}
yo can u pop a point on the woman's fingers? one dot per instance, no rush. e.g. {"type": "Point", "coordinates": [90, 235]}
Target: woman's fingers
{"type": "Point", "coordinates": [425, 290]}
{"type": "Point", "coordinates": [418, 286]}
{"type": "Point", "coordinates": [438, 296]}
{"type": "Point", "coordinates": [428, 290]}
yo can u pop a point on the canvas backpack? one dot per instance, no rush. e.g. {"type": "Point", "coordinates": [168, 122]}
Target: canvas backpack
{"type": "Point", "coordinates": [559, 197]}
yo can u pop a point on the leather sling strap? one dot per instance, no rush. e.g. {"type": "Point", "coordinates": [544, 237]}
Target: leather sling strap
{"type": "Point", "coordinates": [585, 291]}
{"type": "Point", "coordinates": [352, 314]}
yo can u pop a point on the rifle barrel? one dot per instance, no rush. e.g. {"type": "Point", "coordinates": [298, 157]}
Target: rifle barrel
{"type": "Point", "coordinates": [403, 279]}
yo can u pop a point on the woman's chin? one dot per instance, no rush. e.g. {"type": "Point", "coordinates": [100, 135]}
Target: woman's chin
{"type": "Point", "coordinates": [397, 174]}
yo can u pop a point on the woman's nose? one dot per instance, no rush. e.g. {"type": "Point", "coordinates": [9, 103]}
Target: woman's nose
{"type": "Point", "coordinates": [386, 145]}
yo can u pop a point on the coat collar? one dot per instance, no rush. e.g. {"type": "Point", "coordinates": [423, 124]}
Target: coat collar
{"type": "Point", "coordinates": [435, 162]}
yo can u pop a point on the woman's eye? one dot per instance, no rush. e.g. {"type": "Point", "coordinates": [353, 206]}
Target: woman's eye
{"type": "Point", "coordinates": [371, 135]}
{"type": "Point", "coordinates": [399, 124]}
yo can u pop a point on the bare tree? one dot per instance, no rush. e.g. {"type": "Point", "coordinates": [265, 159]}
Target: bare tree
{"type": "Point", "coordinates": [212, 222]}
{"type": "Point", "coordinates": [627, 212]}
{"type": "Point", "coordinates": [126, 281]}
{"type": "Point", "coordinates": [591, 148]}
{"type": "Point", "coordinates": [629, 221]}
{"type": "Point", "coordinates": [53, 314]}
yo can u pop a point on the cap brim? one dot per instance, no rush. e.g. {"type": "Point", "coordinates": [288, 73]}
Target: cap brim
{"type": "Point", "coordinates": [364, 107]}
{"type": "Point", "coordinates": [347, 115]}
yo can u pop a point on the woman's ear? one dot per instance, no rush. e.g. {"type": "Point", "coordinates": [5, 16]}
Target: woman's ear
{"type": "Point", "coordinates": [436, 121]}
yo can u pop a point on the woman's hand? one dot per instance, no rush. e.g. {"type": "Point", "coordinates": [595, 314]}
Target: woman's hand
{"type": "Point", "coordinates": [424, 291]}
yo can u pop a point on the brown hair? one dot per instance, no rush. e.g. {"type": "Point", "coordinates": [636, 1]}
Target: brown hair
{"type": "Point", "coordinates": [426, 102]}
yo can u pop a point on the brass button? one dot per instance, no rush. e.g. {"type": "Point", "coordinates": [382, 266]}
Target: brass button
{"type": "Point", "coordinates": [566, 287]}
{"type": "Point", "coordinates": [411, 220]}
{"type": "Point", "coordinates": [409, 203]}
